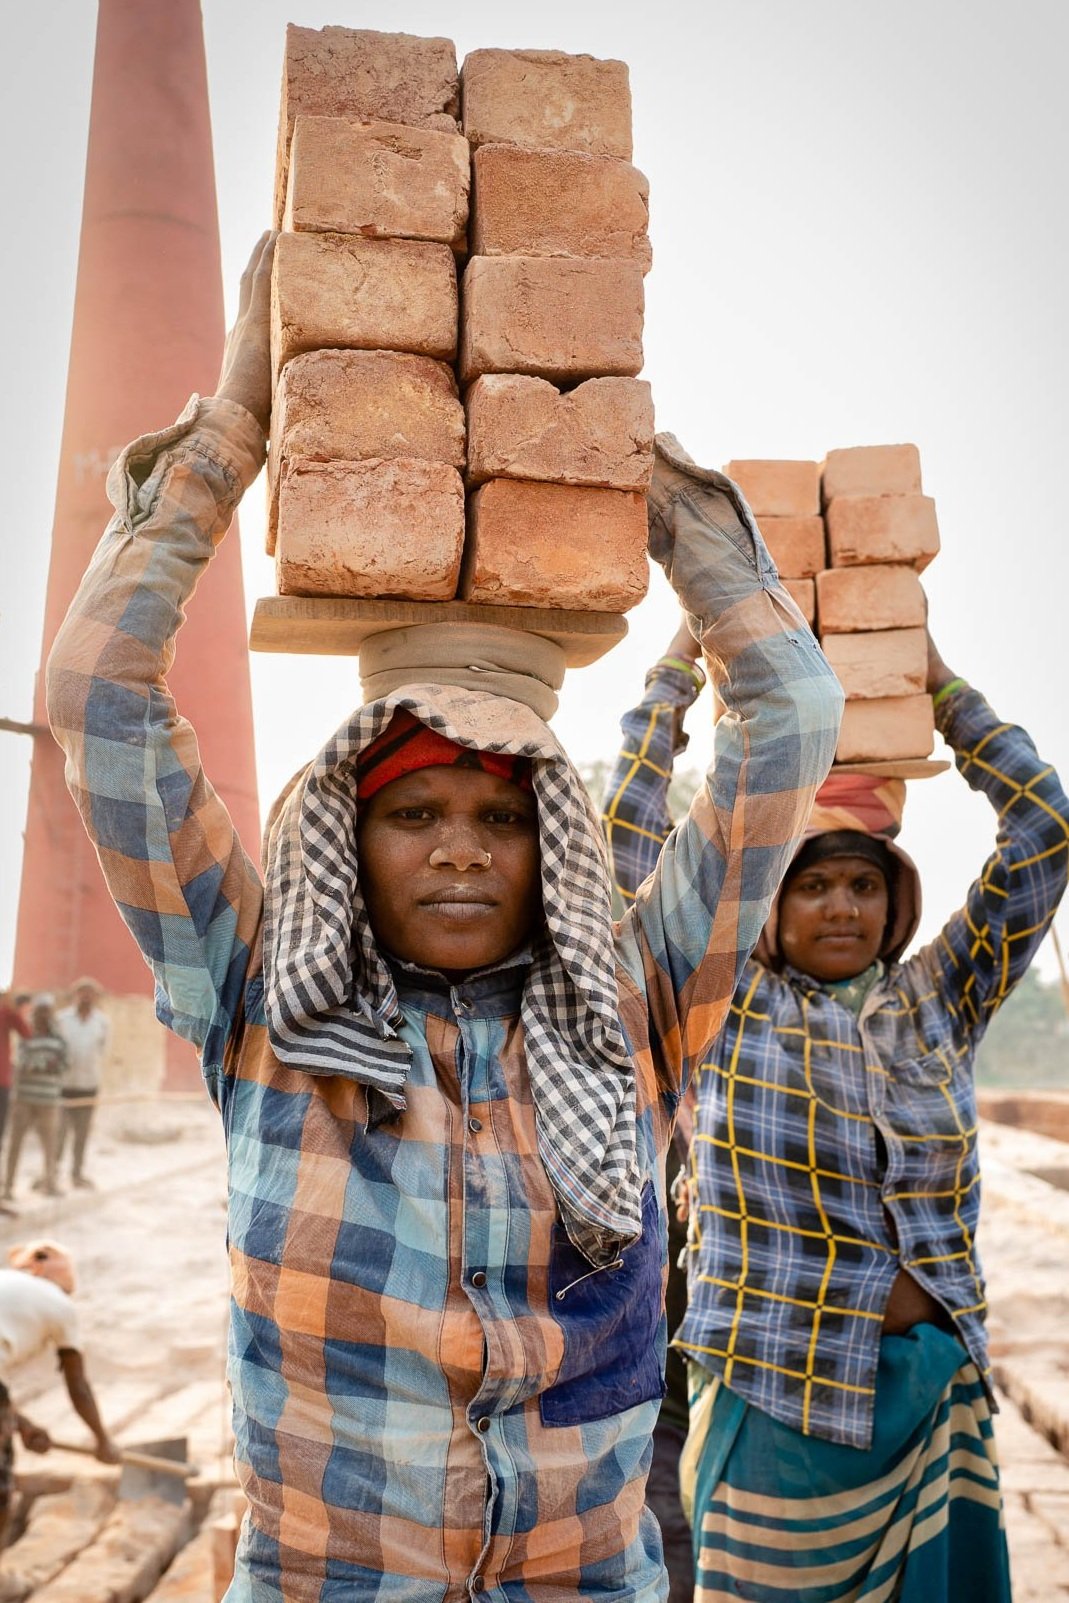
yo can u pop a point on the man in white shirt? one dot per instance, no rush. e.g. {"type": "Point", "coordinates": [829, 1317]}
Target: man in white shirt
{"type": "Point", "coordinates": [87, 1031]}
{"type": "Point", "coordinates": [37, 1312]}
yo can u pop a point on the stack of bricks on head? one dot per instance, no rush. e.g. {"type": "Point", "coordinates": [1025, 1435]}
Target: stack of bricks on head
{"type": "Point", "coordinates": [850, 537]}
{"type": "Point", "coordinates": [456, 327]}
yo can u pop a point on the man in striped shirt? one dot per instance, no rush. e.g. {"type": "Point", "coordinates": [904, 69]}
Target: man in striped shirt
{"type": "Point", "coordinates": [447, 1080]}
{"type": "Point", "coordinates": [40, 1067]}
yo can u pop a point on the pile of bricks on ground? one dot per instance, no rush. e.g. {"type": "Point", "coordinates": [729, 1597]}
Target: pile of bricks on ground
{"type": "Point", "coordinates": [850, 537]}
{"type": "Point", "coordinates": [457, 243]}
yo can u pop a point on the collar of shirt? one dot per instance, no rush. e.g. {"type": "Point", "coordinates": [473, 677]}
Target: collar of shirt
{"type": "Point", "coordinates": [493, 992]}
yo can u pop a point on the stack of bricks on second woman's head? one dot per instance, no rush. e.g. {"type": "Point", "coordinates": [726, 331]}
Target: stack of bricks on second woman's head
{"type": "Point", "coordinates": [850, 537]}
{"type": "Point", "coordinates": [502, 246]}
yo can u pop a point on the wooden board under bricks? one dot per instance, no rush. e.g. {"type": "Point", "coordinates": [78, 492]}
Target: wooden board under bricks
{"type": "Point", "coordinates": [356, 406]}
{"type": "Point", "coordinates": [872, 470]}
{"type": "Point", "coordinates": [558, 203]}
{"type": "Point", "coordinates": [898, 726]}
{"type": "Point", "coordinates": [340, 291]}
{"type": "Point", "coordinates": [557, 318]}
{"type": "Point", "coordinates": [884, 596]}
{"type": "Point", "coordinates": [547, 100]}
{"type": "Point", "coordinates": [378, 179]}
{"type": "Point", "coordinates": [882, 528]}
{"type": "Point", "coordinates": [545, 545]}
{"type": "Point", "coordinates": [782, 489]}
{"type": "Point", "coordinates": [370, 529]}
{"type": "Point", "coordinates": [353, 72]}
{"type": "Point", "coordinates": [598, 434]}
{"type": "Point", "coordinates": [885, 662]}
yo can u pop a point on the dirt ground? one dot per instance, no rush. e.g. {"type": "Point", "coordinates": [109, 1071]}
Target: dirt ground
{"type": "Point", "coordinates": [150, 1248]}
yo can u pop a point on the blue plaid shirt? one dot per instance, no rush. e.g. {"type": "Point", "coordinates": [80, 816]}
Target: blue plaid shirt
{"type": "Point", "coordinates": [433, 1395]}
{"type": "Point", "coordinates": [829, 1150]}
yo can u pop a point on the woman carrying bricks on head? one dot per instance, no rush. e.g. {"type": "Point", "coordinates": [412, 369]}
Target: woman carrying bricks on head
{"type": "Point", "coordinates": [840, 1442]}
{"type": "Point", "coordinates": [446, 1080]}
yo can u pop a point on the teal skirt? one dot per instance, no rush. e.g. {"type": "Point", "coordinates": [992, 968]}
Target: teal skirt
{"type": "Point", "coordinates": [779, 1517]}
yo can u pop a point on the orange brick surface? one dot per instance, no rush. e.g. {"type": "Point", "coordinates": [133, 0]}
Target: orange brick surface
{"type": "Point", "coordinates": [378, 179]}
{"type": "Point", "coordinates": [353, 72]}
{"type": "Point", "coordinates": [600, 433]}
{"type": "Point", "coordinates": [854, 600]}
{"type": "Point", "coordinates": [558, 203]}
{"type": "Point", "coordinates": [883, 662]}
{"type": "Point", "coordinates": [780, 489]}
{"type": "Point", "coordinates": [882, 528]}
{"type": "Point", "coordinates": [370, 529]}
{"type": "Point", "coordinates": [872, 470]}
{"type": "Point", "coordinates": [338, 291]}
{"type": "Point", "coordinates": [551, 545]}
{"type": "Point", "coordinates": [558, 318]}
{"type": "Point", "coordinates": [796, 545]}
{"type": "Point", "coordinates": [873, 731]}
{"type": "Point", "coordinates": [360, 405]}
{"type": "Point", "coordinates": [547, 100]}
{"type": "Point", "coordinates": [804, 592]}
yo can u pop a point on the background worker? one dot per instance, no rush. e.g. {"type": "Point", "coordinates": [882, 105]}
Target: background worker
{"type": "Point", "coordinates": [447, 1079]}
{"type": "Point", "coordinates": [86, 1029]}
{"type": "Point", "coordinates": [835, 1325]}
{"type": "Point", "coordinates": [12, 1022]}
{"type": "Point", "coordinates": [37, 1313]}
{"type": "Point", "coordinates": [39, 1070]}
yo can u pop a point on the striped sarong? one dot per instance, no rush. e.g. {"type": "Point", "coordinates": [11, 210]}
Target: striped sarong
{"type": "Point", "coordinates": [779, 1517]}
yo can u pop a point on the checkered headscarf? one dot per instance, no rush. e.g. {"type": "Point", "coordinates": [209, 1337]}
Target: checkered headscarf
{"type": "Point", "coordinates": [332, 1005]}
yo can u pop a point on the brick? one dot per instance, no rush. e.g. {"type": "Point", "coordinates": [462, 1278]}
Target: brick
{"type": "Point", "coordinates": [804, 592]}
{"type": "Point", "coordinates": [882, 730]}
{"type": "Point", "coordinates": [370, 529]}
{"type": "Point", "coordinates": [882, 528]}
{"type": "Point", "coordinates": [547, 101]}
{"type": "Point", "coordinates": [556, 318]}
{"type": "Point", "coordinates": [378, 179]}
{"type": "Point", "coordinates": [558, 203]}
{"type": "Point", "coordinates": [872, 470]}
{"type": "Point", "coordinates": [353, 72]}
{"type": "Point", "coordinates": [885, 596]}
{"type": "Point", "coordinates": [555, 545]}
{"type": "Point", "coordinates": [880, 663]}
{"type": "Point", "coordinates": [796, 544]}
{"type": "Point", "coordinates": [779, 489]}
{"type": "Point", "coordinates": [337, 291]}
{"type": "Point", "coordinates": [599, 434]}
{"type": "Point", "coordinates": [354, 406]}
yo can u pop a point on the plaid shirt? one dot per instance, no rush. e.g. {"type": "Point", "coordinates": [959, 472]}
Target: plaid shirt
{"type": "Point", "coordinates": [831, 1149]}
{"type": "Point", "coordinates": [433, 1394]}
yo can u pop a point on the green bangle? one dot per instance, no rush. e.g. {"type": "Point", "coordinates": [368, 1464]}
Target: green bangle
{"type": "Point", "coordinates": [948, 690]}
{"type": "Point", "coordinates": [685, 666]}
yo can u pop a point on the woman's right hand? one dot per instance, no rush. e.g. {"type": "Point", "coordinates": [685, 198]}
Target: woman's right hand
{"type": "Point", "coordinates": [245, 375]}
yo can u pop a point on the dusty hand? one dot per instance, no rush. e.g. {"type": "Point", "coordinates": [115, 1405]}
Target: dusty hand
{"type": "Point", "coordinates": [938, 672]}
{"type": "Point", "coordinates": [245, 375]}
{"type": "Point", "coordinates": [35, 1438]}
{"type": "Point", "coordinates": [107, 1452]}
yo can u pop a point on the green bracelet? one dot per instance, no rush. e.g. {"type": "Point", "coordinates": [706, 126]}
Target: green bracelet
{"type": "Point", "coordinates": [685, 666]}
{"type": "Point", "coordinates": [948, 690]}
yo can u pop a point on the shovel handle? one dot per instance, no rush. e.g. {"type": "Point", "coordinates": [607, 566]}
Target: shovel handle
{"type": "Point", "coordinates": [161, 1466]}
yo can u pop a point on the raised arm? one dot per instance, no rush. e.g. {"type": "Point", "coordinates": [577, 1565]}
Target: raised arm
{"type": "Point", "coordinates": [171, 856]}
{"type": "Point", "coordinates": [635, 815]}
{"type": "Point", "coordinates": [696, 920]}
{"type": "Point", "coordinates": [984, 948]}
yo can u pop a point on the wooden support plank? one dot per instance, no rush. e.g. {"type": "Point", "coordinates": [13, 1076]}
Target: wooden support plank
{"type": "Point", "coordinates": [337, 627]}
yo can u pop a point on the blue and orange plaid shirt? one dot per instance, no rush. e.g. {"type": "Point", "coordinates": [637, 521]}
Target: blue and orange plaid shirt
{"type": "Point", "coordinates": [434, 1396]}
{"type": "Point", "coordinates": [830, 1149]}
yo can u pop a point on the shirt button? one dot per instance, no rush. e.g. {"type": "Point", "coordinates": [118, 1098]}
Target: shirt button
{"type": "Point", "coordinates": [478, 1584]}
{"type": "Point", "coordinates": [463, 1004]}
{"type": "Point", "coordinates": [475, 1125]}
{"type": "Point", "coordinates": [484, 1423]}
{"type": "Point", "coordinates": [478, 1278]}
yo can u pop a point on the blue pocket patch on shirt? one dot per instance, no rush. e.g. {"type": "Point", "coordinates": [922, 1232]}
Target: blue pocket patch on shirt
{"type": "Point", "coordinates": [610, 1319]}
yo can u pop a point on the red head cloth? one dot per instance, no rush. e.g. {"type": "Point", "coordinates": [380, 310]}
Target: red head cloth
{"type": "Point", "coordinates": [406, 745]}
{"type": "Point", "coordinates": [865, 802]}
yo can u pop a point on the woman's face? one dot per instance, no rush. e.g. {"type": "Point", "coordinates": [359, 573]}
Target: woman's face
{"type": "Point", "coordinates": [832, 918]}
{"type": "Point", "coordinates": [449, 867]}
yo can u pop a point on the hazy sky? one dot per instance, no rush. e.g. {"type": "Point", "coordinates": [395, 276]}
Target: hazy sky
{"type": "Point", "coordinates": [859, 231]}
